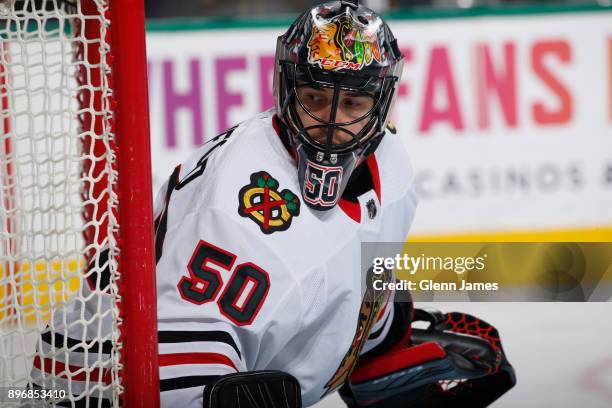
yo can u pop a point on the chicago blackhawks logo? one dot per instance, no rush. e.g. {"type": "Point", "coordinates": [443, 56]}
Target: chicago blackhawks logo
{"type": "Point", "coordinates": [263, 203]}
{"type": "Point", "coordinates": [342, 43]}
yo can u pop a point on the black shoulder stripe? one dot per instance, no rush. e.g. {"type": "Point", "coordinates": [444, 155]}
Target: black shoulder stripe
{"type": "Point", "coordinates": [170, 384]}
{"type": "Point", "coordinates": [161, 223]}
{"type": "Point", "coordinates": [57, 340]}
{"type": "Point", "coordinates": [214, 144]}
{"type": "Point", "coordinates": [194, 336]}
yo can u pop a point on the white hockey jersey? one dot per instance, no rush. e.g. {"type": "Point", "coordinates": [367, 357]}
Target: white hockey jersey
{"type": "Point", "coordinates": [249, 278]}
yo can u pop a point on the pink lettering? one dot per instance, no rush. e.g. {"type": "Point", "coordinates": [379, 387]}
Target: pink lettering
{"type": "Point", "coordinates": [440, 78]}
{"type": "Point", "coordinates": [225, 98]}
{"type": "Point", "coordinates": [501, 84]}
{"type": "Point", "coordinates": [542, 114]}
{"type": "Point", "coordinates": [266, 69]}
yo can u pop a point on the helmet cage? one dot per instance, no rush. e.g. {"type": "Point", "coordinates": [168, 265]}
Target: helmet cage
{"type": "Point", "coordinates": [380, 88]}
{"type": "Point", "coordinates": [324, 168]}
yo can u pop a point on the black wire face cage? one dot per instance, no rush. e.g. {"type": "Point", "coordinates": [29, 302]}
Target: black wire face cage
{"type": "Point", "coordinates": [380, 88]}
{"type": "Point", "coordinates": [324, 168]}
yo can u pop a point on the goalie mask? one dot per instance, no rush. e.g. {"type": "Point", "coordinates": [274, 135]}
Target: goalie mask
{"type": "Point", "coordinates": [337, 72]}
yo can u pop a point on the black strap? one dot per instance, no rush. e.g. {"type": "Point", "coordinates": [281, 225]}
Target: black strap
{"type": "Point", "coordinates": [254, 389]}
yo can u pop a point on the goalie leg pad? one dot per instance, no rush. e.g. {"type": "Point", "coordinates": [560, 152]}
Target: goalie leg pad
{"type": "Point", "coordinates": [254, 389]}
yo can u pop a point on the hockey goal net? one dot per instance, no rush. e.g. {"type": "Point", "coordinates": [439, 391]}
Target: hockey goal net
{"type": "Point", "coordinates": [77, 289]}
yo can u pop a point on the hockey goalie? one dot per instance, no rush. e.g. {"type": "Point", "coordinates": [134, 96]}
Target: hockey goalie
{"type": "Point", "coordinates": [258, 246]}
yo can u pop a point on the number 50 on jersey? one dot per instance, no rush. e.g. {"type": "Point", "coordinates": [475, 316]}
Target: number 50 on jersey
{"type": "Point", "coordinates": [242, 295]}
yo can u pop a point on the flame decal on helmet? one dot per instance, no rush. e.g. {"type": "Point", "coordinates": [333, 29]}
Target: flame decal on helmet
{"type": "Point", "coordinates": [342, 44]}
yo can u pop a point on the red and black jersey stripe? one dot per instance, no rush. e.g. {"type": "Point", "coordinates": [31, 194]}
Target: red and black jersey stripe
{"type": "Point", "coordinates": [217, 336]}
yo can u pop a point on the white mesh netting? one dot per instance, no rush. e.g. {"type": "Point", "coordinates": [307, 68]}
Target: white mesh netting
{"type": "Point", "coordinates": [58, 316]}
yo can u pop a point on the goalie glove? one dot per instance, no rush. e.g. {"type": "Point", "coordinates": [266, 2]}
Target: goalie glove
{"type": "Point", "coordinates": [457, 361]}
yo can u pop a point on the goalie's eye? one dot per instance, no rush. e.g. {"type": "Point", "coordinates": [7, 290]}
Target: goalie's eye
{"type": "Point", "coordinates": [353, 105]}
{"type": "Point", "coordinates": [314, 99]}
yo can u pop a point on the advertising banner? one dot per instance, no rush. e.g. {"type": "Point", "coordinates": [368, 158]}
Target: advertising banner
{"type": "Point", "coordinates": [507, 119]}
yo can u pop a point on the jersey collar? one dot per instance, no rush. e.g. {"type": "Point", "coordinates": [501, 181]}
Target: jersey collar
{"type": "Point", "coordinates": [353, 209]}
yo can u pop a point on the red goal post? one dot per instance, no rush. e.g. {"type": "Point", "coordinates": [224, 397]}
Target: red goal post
{"type": "Point", "coordinates": [132, 121]}
{"type": "Point", "coordinates": [75, 178]}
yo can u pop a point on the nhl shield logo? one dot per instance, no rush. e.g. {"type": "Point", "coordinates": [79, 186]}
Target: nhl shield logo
{"type": "Point", "coordinates": [270, 209]}
{"type": "Point", "coordinates": [371, 207]}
